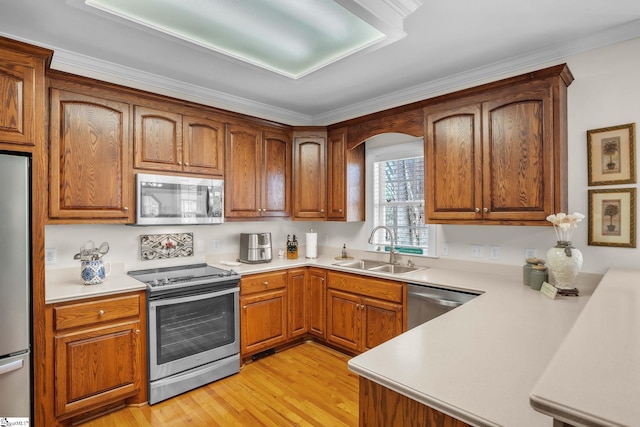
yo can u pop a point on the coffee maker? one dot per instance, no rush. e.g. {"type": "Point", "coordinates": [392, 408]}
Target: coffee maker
{"type": "Point", "coordinates": [255, 248]}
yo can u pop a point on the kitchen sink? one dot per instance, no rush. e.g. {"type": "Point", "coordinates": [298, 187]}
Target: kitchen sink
{"type": "Point", "coordinates": [378, 266]}
{"type": "Point", "coordinates": [394, 269]}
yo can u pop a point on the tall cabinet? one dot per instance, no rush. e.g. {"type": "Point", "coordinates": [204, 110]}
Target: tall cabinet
{"type": "Point", "coordinates": [309, 174]}
{"type": "Point", "coordinates": [498, 156]}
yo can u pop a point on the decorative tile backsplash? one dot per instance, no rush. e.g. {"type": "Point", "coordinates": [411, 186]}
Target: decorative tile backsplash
{"type": "Point", "coordinates": [160, 246]}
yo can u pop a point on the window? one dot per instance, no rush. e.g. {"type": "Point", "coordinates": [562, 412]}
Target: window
{"type": "Point", "coordinates": [397, 193]}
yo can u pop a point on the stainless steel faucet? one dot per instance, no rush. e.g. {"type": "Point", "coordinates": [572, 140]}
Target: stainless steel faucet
{"type": "Point", "coordinates": [392, 246]}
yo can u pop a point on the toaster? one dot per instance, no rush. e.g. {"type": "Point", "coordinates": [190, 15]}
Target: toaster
{"type": "Point", "coordinates": [255, 248]}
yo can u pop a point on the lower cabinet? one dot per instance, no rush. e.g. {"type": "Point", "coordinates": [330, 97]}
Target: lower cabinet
{"type": "Point", "coordinates": [363, 312]}
{"type": "Point", "coordinates": [263, 318]}
{"type": "Point", "coordinates": [298, 307]}
{"type": "Point", "coordinates": [317, 302]}
{"type": "Point", "coordinates": [99, 349]}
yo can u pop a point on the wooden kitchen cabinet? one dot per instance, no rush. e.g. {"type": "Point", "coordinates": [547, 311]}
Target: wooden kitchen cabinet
{"type": "Point", "coordinates": [345, 178]}
{"type": "Point", "coordinates": [99, 349]}
{"type": "Point", "coordinates": [363, 312]}
{"type": "Point", "coordinates": [170, 141]}
{"type": "Point", "coordinates": [258, 180]}
{"type": "Point", "coordinates": [309, 175]}
{"type": "Point", "coordinates": [298, 307]}
{"type": "Point", "coordinates": [22, 85]}
{"type": "Point", "coordinates": [263, 315]}
{"type": "Point", "coordinates": [498, 157]}
{"type": "Point", "coordinates": [89, 166]}
{"type": "Point", "coordinates": [317, 302]}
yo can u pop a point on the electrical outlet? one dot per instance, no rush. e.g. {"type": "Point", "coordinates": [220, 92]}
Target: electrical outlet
{"type": "Point", "coordinates": [215, 245]}
{"type": "Point", "coordinates": [494, 252]}
{"type": "Point", "coordinates": [324, 239]}
{"type": "Point", "coordinates": [530, 253]}
{"type": "Point", "coordinates": [476, 251]}
{"type": "Point", "coordinates": [49, 256]}
{"type": "Point", "coordinates": [444, 251]}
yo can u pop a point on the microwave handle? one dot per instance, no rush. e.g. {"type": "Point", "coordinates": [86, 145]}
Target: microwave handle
{"type": "Point", "coordinates": [209, 203]}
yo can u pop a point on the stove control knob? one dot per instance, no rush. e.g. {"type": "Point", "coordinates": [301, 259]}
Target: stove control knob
{"type": "Point", "coordinates": [155, 282]}
{"type": "Point", "coordinates": [165, 281]}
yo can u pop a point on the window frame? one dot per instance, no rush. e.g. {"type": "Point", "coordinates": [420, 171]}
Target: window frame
{"type": "Point", "coordinates": [392, 151]}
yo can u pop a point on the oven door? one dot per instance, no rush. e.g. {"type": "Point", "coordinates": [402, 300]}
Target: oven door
{"type": "Point", "coordinates": [193, 330]}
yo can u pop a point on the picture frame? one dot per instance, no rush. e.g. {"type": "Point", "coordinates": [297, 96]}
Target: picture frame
{"type": "Point", "coordinates": [612, 217]}
{"type": "Point", "coordinates": [611, 155]}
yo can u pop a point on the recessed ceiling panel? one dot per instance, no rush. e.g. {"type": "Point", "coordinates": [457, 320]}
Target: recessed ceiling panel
{"type": "Point", "coordinates": [290, 37]}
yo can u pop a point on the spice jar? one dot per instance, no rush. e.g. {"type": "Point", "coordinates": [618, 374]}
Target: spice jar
{"type": "Point", "coordinates": [539, 275]}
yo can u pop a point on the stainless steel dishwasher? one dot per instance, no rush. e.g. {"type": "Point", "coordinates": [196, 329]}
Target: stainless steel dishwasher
{"type": "Point", "coordinates": [428, 302]}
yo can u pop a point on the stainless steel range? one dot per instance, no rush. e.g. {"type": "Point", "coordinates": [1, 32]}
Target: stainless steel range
{"type": "Point", "coordinates": [193, 323]}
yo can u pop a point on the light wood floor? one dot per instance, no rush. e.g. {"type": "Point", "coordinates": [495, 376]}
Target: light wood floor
{"type": "Point", "coordinates": [306, 385]}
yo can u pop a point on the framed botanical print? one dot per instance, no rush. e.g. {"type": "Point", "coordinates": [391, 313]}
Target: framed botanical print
{"type": "Point", "coordinates": [611, 155]}
{"type": "Point", "coordinates": [612, 217]}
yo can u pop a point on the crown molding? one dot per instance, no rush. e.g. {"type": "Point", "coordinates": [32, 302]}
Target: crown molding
{"type": "Point", "coordinates": [503, 69]}
{"type": "Point", "coordinates": [71, 62]}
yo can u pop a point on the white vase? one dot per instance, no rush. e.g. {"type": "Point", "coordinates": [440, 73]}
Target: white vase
{"type": "Point", "coordinates": [565, 262]}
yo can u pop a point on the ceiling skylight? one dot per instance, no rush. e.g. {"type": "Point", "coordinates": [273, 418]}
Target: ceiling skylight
{"type": "Point", "coordinates": [290, 37]}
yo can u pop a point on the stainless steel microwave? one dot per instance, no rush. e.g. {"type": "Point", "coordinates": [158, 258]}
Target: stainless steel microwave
{"type": "Point", "coordinates": [170, 200]}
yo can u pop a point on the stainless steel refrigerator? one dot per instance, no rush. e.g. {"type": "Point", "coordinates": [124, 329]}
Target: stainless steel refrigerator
{"type": "Point", "coordinates": [15, 287]}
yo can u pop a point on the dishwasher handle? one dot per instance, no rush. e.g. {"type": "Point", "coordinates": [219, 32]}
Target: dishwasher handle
{"type": "Point", "coordinates": [438, 301]}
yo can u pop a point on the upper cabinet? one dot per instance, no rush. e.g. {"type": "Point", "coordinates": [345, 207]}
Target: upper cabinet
{"type": "Point", "coordinates": [309, 175]}
{"type": "Point", "coordinates": [21, 91]}
{"type": "Point", "coordinates": [345, 178]}
{"type": "Point", "coordinates": [169, 141]}
{"type": "Point", "coordinates": [258, 179]}
{"type": "Point", "coordinates": [89, 151]}
{"type": "Point", "coordinates": [498, 156]}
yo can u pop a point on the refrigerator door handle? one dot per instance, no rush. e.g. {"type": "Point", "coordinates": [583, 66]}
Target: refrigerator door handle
{"type": "Point", "coordinates": [12, 366]}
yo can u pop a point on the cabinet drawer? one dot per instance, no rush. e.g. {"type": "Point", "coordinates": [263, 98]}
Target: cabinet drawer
{"type": "Point", "coordinates": [366, 286]}
{"type": "Point", "coordinates": [263, 282]}
{"type": "Point", "coordinates": [95, 312]}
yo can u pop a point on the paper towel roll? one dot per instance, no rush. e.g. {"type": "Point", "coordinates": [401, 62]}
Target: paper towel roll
{"type": "Point", "coordinates": [311, 245]}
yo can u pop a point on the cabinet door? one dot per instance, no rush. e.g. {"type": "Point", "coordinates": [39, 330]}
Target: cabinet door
{"type": "Point", "coordinates": [157, 140]}
{"type": "Point", "coordinates": [453, 156]}
{"type": "Point", "coordinates": [242, 163]}
{"type": "Point", "coordinates": [317, 300]}
{"type": "Point", "coordinates": [382, 321]}
{"type": "Point", "coordinates": [336, 175]}
{"type": "Point", "coordinates": [343, 319]}
{"type": "Point", "coordinates": [203, 147]}
{"type": "Point", "coordinates": [309, 172]}
{"type": "Point", "coordinates": [263, 321]}
{"type": "Point", "coordinates": [17, 98]}
{"type": "Point", "coordinates": [276, 174]}
{"type": "Point", "coordinates": [89, 158]}
{"type": "Point", "coordinates": [518, 155]}
{"type": "Point", "coordinates": [95, 367]}
{"type": "Point", "coordinates": [297, 294]}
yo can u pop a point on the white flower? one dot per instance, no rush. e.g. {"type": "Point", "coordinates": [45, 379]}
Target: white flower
{"type": "Point", "coordinates": [564, 224]}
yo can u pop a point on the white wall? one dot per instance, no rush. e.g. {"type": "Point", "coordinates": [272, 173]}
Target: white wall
{"type": "Point", "coordinates": [606, 92]}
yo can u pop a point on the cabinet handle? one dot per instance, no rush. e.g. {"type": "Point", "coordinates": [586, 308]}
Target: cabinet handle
{"type": "Point", "coordinates": [125, 209]}
{"type": "Point", "coordinates": [485, 210]}
{"type": "Point", "coordinates": [101, 313]}
{"type": "Point", "coordinates": [477, 210]}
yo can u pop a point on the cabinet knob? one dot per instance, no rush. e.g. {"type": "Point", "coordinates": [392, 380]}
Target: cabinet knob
{"type": "Point", "coordinates": [180, 163]}
{"type": "Point", "coordinates": [477, 210]}
{"type": "Point", "coordinates": [186, 164]}
{"type": "Point", "coordinates": [137, 331]}
{"type": "Point", "coordinates": [101, 313]}
{"type": "Point", "coordinates": [361, 306]}
{"type": "Point", "coordinates": [125, 209]}
{"type": "Point", "coordinates": [244, 307]}
{"type": "Point", "coordinates": [485, 210]}
{"type": "Point", "coordinates": [322, 210]}
{"type": "Point", "coordinates": [340, 210]}
{"type": "Point", "coordinates": [265, 283]}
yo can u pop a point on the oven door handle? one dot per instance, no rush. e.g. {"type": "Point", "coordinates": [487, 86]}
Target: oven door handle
{"type": "Point", "coordinates": [170, 299]}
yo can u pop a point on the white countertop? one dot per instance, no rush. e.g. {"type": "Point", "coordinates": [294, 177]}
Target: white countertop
{"type": "Point", "coordinates": [477, 363]}
{"type": "Point", "coordinates": [594, 378]}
